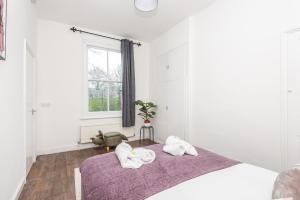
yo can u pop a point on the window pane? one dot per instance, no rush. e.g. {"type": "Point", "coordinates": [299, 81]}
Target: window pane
{"type": "Point", "coordinates": [97, 64]}
{"type": "Point", "coordinates": [98, 92]}
{"type": "Point", "coordinates": [115, 93]}
{"type": "Point", "coordinates": [115, 70]}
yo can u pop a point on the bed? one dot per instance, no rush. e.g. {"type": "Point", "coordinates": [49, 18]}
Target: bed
{"type": "Point", "coordinates": [207, 176]}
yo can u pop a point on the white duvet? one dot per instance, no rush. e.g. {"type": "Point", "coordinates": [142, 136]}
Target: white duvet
{"type": "Point", "coordinates": [240, 182]}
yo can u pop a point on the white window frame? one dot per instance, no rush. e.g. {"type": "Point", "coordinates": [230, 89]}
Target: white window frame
{"type": "Point", "coordinates": [101, 114]}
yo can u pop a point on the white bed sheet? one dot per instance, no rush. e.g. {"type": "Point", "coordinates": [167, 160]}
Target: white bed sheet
{"type": "Point", "coordinates": [240, 182]}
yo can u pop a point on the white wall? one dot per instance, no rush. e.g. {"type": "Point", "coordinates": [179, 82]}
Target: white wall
{"type": "Point", "coordinates": [60, 84]}
{"type": "Point", "coordinates": [235, 56]}
{"type": "Point", "coordinates": [234, 76]}
{"type": "Point", "coordinates": [20, 25]}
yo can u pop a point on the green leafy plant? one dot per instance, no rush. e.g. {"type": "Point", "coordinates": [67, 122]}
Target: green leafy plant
{"type": "Point", "coordinates": [146, 110]}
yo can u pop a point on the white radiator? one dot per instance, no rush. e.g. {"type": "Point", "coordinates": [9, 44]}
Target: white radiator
{"type": "Point", "coordinates": [90, 129]}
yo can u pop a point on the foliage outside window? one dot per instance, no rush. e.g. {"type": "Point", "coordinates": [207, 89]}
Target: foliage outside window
{"type": "Point", "coordinates": [104, 80]}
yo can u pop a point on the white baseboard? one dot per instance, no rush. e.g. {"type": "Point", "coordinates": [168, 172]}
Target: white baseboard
{"type": "Point", "coordinates": [71, 148]}
{"type": "Point", "coordinates": [64, 149]}
{"type": "Point", "coordinates": [133, 138]}
{"type": "Point", "coordinates": [19, 189]}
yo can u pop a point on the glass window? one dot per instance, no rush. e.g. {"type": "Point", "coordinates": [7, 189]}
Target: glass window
{"type": "Point", "coordinates": [104, 80]}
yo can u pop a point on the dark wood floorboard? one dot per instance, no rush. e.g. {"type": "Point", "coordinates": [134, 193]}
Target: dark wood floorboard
{"type": "Point", "coordinates": [52, 176]}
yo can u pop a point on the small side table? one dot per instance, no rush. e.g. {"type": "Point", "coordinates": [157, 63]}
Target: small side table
{"type": "Point", "coordinates": [150, 130]}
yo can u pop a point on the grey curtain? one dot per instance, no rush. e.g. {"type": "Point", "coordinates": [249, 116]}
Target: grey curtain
{"type": "Point", "coordinates": [128, 93]}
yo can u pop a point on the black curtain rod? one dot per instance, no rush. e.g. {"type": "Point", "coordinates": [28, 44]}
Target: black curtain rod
{"type": "Point", "coordinates": [74, 29]}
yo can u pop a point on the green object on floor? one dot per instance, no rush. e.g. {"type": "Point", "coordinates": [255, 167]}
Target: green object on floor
{"type": "Point", "coordinates": [98, 140]}
{"type": "Point", "coordinates": [111, 139]}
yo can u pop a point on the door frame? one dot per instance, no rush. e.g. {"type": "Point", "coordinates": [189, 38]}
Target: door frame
{"type": "Point", "coordinates": [28, 50]}
{"type": "Point", "coordinates": [284, 96]}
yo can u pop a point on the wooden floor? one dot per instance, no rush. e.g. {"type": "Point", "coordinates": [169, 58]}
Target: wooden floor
{"type": "Point", "coordinates": [52, 176]}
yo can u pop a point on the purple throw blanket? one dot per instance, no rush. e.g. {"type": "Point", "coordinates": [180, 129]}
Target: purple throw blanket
{"type": "Point", "coordinates": [103, 178]}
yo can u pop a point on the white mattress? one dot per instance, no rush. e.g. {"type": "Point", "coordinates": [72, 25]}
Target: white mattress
{"type": "Point", "coordinates": [240, 182]}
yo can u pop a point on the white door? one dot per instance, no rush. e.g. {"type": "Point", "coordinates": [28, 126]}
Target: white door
{"type": "Point", "coordinates": [293, 98]}
{"type": "Point", "coordinates": [30, 101]}
{"type": "Point", "coordinates": [161, 93]}
{"type": "Point", "coordinates": [176, 92]}
{"type": "Point", "coordinates": [171, 93]}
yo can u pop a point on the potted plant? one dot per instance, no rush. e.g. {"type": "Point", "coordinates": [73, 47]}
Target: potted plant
{"type": "Point", "coordinates": [146, 111]}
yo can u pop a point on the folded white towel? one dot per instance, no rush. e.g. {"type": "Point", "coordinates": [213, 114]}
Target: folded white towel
{"type": "Point", "coordinates": [174, 149]}
{"type": "Point", "coordinates": [133, 158]}
{"type": "Point", "coordinates": [174, 145]}
{"type": "Point", "coordinates": [145, 155]}
{"type": "Point", "coordinates": [123, 152]}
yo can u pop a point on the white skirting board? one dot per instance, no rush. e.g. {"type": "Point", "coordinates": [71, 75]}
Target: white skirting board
{"type": "Point", "coordinates": [71, 148]}
{"type": "Point", "coordinates": [64, 149]}
{"type": "Point", "coordinates": [19, 189]}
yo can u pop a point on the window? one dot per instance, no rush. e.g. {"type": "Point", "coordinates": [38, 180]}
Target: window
{"type": "Point", "coordinates": [104, 80]}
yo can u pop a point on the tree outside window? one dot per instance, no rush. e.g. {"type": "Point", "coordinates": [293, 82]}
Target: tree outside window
{"type": "Point", "coordinates": [104, 80]}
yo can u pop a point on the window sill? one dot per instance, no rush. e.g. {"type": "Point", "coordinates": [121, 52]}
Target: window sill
{"type": "Point", "coordinates": [107, 116]}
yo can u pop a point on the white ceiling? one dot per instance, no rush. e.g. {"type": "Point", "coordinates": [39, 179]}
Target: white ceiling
{"type": "Point", "coordinates": [119, 17]}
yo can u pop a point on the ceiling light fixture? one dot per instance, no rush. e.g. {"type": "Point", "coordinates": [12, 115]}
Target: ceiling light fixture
{"type": "Point", "coordinates": [146, 5]}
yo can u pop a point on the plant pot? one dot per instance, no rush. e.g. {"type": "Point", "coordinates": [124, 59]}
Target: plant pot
{"type": "Point", "coordinates": [147, 123]}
